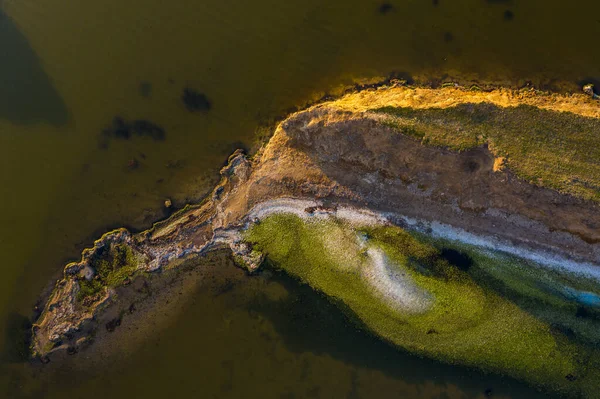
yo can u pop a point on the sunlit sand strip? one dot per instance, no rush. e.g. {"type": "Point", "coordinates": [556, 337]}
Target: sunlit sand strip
{"type": "Point", "coordinates": [422, 98]}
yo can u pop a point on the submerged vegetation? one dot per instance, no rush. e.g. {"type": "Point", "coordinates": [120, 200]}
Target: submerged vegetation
{"type": "Point", "coordinates": [124, 129]}
{"type": "Point", "coordinates": [559, 150]}
{"type": "Point", "coordinates": [488, 310]}
{"type": "Point", "coordinates": [195, 101]}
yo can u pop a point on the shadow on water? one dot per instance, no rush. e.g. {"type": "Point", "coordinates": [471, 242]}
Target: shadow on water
{"type": "Point", "coordinates": [26, 92]}
{"type": "Point", "coordinates": [456, 258]}
{"type": "Point", "coordinates": [17, 337]}
{"type": "Point", "coordinates": [309, 322]}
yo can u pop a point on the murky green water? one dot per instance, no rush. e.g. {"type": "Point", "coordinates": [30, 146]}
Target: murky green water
{"type": "Point", "coordinates": [230, 336]}
{"type": "Point", "coordinates": [67, 68]}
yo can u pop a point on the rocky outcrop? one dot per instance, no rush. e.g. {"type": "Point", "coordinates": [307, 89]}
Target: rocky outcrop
{"type": "Point", "coordinates": [337, 154]}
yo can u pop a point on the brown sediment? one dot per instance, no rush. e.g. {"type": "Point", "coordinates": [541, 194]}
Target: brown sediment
{"type": "Point", "coordinates": [341, 154]}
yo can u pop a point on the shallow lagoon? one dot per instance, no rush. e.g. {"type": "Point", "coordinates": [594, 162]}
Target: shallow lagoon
{"type": "Point", "coordinates": [445, 298]}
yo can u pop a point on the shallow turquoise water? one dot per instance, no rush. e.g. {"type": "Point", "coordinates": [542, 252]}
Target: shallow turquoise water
{"type": "Point", "coordinates": [585, 298]}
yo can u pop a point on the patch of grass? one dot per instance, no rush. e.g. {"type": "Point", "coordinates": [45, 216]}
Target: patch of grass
{"type": "Point", "coordinates": [405, 129]}
{"type": "Point", "coordinates": [112, 266]}
{"type": "Point", "coordinates": [89, 288]}
{"type": "Point", "coordinates": [473, 321]}
{"type": "Point", "coordinates": [558, 150]}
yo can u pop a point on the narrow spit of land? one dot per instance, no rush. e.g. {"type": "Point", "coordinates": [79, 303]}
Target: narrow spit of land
{"type": "Point", "coordinates": [447, 208]}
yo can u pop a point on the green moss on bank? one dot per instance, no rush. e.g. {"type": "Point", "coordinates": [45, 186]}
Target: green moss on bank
{"type": "Point", "coordinates": [481, 315]}
{"type": "Point", "coordinates": [89, 288]}
{"type": "Point", "coordinates": [112, 267]}
{"type": "Point", "coordinates": [558, 150]}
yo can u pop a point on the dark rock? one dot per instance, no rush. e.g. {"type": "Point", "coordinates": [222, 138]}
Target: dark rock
{"type": "Point", "coordinates": [195, 101]}
{"type": "Point", "coordinates": [571, 377]}
{"type": "Point", "coordinates": [488, 393]}
{"type": "Point", "coordinates": [218, 192]}
{"type": "Point", "coordinates": [45, 359]}
{"type": "Point", "coordinates": [385, 8]}
{"type": "Point", "coordinates": [112, 325]}
{"type": "Point", "coordinates": [132, 308]}
{"type": "Point", "coordinates": [71, 350]}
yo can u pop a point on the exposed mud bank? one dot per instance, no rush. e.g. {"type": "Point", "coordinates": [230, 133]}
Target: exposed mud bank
{"type": "Point", "coordinates": [348, 161]}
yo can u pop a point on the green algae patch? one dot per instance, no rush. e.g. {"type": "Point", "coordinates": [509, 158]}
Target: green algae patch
{"type": "Point", "coordinates": [558, 150]}
{"type": "Point", "coordinates": [547, 294]}
{"type": "Point", "coordinates": [480, 315]}
{"type": "Point", "coordinates": [297, 248]}
{"type": "Point", "coordinates": [89, 289]}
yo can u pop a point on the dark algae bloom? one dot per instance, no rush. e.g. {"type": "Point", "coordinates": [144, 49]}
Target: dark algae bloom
{"type": "Point", "coordinates": [195, 101]}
